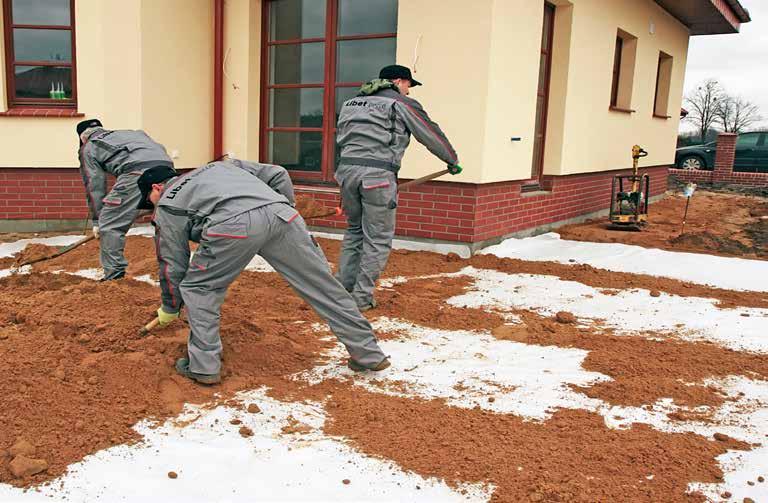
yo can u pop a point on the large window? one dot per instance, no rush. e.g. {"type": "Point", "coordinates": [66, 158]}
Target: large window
{"type": "Point", "coordinates": [316, 54]}
{"type": "Point", "coordinates": [40, 53]}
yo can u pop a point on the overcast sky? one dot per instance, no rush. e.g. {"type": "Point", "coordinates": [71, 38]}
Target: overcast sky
{"type": "Point", "coordinates": [739, 62]}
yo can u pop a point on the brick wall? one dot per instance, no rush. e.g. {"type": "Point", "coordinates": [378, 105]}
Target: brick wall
{"type": "Point", "coordinates": [472, 213]}
{"type": "Point", "coordinates": [42, 194]}
{"type": "Point", "coordinates": [723, 172]}
{"type": "Point", "coordinates": [437, 210]}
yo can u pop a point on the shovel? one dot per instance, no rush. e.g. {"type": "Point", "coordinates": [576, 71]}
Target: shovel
{"type": "Point", "coordinates": [403, 186]}
{"type": "Point", "coordinates": [62, 251]}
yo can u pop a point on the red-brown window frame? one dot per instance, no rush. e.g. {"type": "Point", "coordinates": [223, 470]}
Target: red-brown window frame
{"type": "Point", "coordinates": [537, 168]}
{"type": "Point", "coordinates": [11, 62]}
{"type": "Point", "coordinates": [616, 71]}
{"type": "Point", "coordinates": [329, 85]}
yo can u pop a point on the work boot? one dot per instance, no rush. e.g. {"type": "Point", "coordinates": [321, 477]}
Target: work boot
{"type": "Point", "coordinates": [352, 364]}
{"type": "Point", "coordinates": [182, 367]}
{"type": "Point", "coordinates": [368, 307]}
{"type": "Point", "coordinates": [118, 276]}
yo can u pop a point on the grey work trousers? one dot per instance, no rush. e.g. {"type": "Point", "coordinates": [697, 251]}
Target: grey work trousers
{"type": "Point", "coordinates": [368, 197]}
{"type": "Point", "coordinates": [277, 233]}
{"type": "Point", "coordinates": [116, 217]}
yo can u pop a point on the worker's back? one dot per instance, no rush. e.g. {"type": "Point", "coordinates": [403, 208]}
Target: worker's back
{"type": "Point", "coordinates": [218, 191]}
{"type": "Point", "coordinates": [123, 151]}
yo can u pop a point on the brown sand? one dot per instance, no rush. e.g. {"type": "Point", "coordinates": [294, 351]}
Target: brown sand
{"type": "Point", "coordinates": [309, 207]}
{"type": "Point", "coordinates": [80, 359]}
{"type": "Point", "coordinates": [717, 224]}
{"type": "Point", "coordinates": [571, 457]}
{"type": "Point", "coordinates": [665, 368]}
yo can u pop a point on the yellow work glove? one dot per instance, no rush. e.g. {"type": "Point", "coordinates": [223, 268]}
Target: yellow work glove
{"type": "Point", "coordinates": [165, 318]}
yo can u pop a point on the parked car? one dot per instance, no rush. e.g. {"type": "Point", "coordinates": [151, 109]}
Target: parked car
{"type": "Point", "coordinates": [751, 154]}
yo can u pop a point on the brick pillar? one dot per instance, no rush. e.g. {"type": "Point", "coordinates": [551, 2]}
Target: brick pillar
{"type": "Point", "coordinates": [726, 155]}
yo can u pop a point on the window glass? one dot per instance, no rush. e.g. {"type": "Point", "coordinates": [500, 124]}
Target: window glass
{"type": "Point", "coordinates": [296, 19]}
{"type": "Point", "coordinates": [748, 140]}
{"type": "Point", "coordinates": [39, 81]}
{"type": "Point", "coordinates": [41, 12]}
{"type": "Point", "coordinates": [301, 151]}
{"type": "Point", "coordinates": [297, 63]}
{"type": "Point", "coordinates": [42, 45]}
{"type": "Point", "coordinates": [296, 107]}
{"type": "Point", "coordinates": [361, 60]}
{"type": "Point", "coordinates": [365, 17]}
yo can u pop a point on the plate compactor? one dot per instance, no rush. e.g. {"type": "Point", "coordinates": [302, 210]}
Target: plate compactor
{"type": "Point", "coordinates": [629, 197]}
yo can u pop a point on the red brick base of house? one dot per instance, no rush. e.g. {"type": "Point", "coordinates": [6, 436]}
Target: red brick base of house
{"type": "Point", "coordinates": [471, 213]}
{"type": "Point", "coordinates": [454, 212]}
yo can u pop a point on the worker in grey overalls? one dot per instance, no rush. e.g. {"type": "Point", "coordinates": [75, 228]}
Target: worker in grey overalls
{"type": "Point", "coordinates": [126, 155]}
{"type": "Point", "coordinates": [236, 210]}
{"type": "Point", "coordinates": [374, 130]}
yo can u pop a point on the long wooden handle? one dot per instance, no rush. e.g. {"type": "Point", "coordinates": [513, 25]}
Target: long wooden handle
{"type": "Point", "coordinates": [149, 326]}
{"type": "Point", "coordinates": [60, 252]}
{"type": "Point", "coordinates": [423, 179]}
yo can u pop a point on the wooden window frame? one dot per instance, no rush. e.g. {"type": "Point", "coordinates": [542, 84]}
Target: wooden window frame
{"type": "Point", "coordinates": [329, 86]}
{"type": "Point", "coordinates": [537, 169]}
{"type": "Point", "coordinates": [11, 62]}
{"type": "Point", "coordinates": [616, 71]}
{"type": "Point", "coordinates": [661, 110]}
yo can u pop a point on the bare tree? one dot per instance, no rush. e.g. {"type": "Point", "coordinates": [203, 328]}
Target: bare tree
{"type": "Point", "coordinates": [736, 115]}
{"type": "Point", "coordinates": [702, 104]}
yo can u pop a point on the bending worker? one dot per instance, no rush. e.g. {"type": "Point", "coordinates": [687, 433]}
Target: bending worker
{"type": "Point", "coordinates": [236, 210]}
{"type": "Point", "coordinates": [374, 130]}
{"type": "Point", "coordinates": [126, 155]}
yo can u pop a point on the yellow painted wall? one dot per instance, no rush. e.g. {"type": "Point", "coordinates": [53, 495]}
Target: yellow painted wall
{"type": "Point", "coordinates": [453, 65]}
{"type": "Point", "coordinates": [594, 138]}
{"type": "Point", "coordinates": [177, 77]}
{"type": "Point", "coordinates": [141, 64]}
{"type": "Point", "coordinates": [242, 79]}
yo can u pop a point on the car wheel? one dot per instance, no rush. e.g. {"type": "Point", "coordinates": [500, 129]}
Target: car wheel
{"type": "Point", "coordinates": [692, 162]}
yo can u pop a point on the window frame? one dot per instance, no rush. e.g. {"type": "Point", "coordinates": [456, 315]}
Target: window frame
{"type": "Point", "coordinates": [11, 62]}
{"type": "Point", "coordinates": [623, 75]}
{"type": "Point", "coordinates": [663, 86]}
{"type": "Point", "coordinates": [617, 55]}
{"type": "Point", "coordinates": [329, 86]}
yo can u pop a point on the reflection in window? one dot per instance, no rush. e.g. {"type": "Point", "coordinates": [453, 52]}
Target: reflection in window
{"type": "Point", "coordinates": [297, 63]}
{"type": "Point", "coordinates": [41, 12]}
{"type": "Point", "coordinates": [40, 67]}
{"type": "Point", "coordinates": [37, 81]}
{"type": "Point", "coordinates": [365, 18]}
{"type": "Point", "coordinates": [296, 19]}
{"type": "Point", "coordinates": [296, 150]}
{"type": "Point", "coordinates": [296, 107]}
{"type": "Point", "coordinates": [361, 60]}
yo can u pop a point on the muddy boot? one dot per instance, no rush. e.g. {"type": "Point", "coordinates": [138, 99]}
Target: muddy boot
{"type": "Point", "coordinates": [352, 364]}
{"type": "Point", "coordinates": [182, 367]}
{"type": "Point", "coordinates": [368, 307]}
{"type": "Point", "coordinates": [120, 275]}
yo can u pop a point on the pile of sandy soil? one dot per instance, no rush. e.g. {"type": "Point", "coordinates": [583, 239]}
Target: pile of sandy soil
{"type": "Point", "coordinates": [80, 377]}
{"type": "Point", "coordinates": [717, 224]}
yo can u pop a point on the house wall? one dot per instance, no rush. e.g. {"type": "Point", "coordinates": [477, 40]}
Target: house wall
{"type": "Point", "coordinates": [141, 64]}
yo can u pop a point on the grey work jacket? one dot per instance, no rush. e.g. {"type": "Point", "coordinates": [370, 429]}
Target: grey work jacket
{"type": "Point", "coordinates": [375, 129]}
{"type": "Point", "coordinates": [204, 197]}
{"type": "Point", "coordinates": [116, 153]}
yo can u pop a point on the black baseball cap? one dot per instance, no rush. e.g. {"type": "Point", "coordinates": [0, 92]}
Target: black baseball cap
{"type": "Point", "coordinates": [88, 124]}
{"type": "Point", "coordinates": [392, 72]}
{"type": "Point", "coordinates": [158, 174]}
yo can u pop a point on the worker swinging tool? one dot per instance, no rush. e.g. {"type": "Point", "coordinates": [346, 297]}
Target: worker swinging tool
{"type": "Point", "coordinates": [629, 208]}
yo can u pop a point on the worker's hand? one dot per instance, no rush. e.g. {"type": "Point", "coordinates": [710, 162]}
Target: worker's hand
{"type": "Point", "coordinates": [95, 231]}
{"type": "Point", "coordinates": [165, 318]}
{"type": "Point", "coordinates": [454, 169]}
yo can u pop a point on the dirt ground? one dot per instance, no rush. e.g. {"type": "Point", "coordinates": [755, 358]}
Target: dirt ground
{"type": "Point", "coordinates": [717, 223]}
{"type": "Point", "coordinates": [79, 377]}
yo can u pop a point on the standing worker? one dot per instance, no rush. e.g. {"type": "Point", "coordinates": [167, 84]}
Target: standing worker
{"type": "Point", "coordinates": [374, 130]}
{"type": "Point", "coordinates": [126, 155]}
{"type": "Point", "coordinates": [235, 210]}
